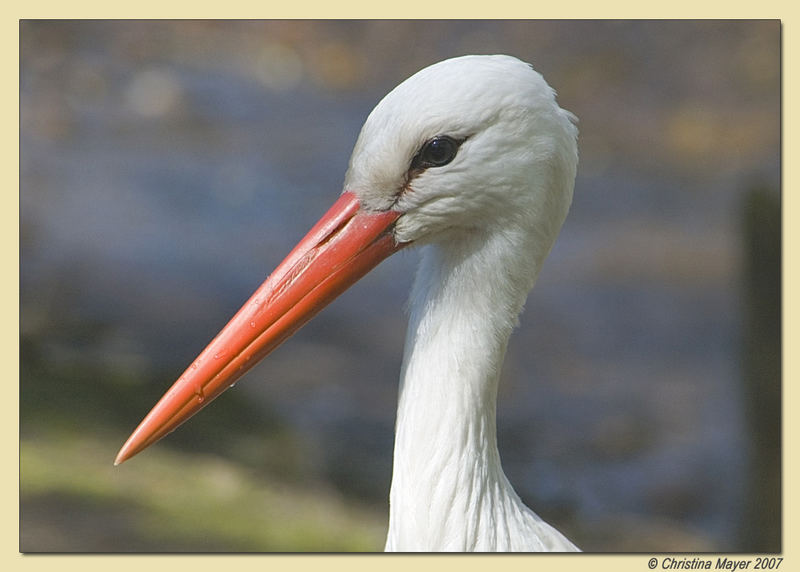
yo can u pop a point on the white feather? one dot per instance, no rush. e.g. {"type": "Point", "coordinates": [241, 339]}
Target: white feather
{"type": "Point", "coordinates": [488, 220]}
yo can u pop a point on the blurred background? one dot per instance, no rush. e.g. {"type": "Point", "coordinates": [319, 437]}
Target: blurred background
{"type": "Point", "coordinates": [168, 166]}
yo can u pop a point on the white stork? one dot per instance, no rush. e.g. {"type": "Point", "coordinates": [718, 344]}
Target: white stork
{"type": "Point", "coordinates": [472, 160]}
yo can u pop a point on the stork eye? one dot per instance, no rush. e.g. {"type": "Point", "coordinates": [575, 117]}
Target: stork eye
{"type": "Point", "coordinates": [436, 152]}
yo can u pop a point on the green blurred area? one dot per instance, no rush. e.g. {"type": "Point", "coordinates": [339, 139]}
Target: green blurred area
{"type": "Point", "coordinates": [74, 500]}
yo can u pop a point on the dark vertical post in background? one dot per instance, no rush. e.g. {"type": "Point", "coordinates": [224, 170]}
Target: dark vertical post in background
{"type": "Point", "coordinates": [762, 368]}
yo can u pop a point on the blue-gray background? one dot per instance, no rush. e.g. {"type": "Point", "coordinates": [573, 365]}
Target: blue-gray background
{"type": "Point", "coordinates": [167, 167]}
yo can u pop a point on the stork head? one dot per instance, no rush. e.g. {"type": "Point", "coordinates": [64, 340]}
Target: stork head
{"type": "Point", "coordinates": [466, 143]}
{"type": "Point", "coordinates": [476, 142]}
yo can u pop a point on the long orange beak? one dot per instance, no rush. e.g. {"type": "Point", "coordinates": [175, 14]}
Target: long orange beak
{"type": "Point", "coordinates": [343, 246]}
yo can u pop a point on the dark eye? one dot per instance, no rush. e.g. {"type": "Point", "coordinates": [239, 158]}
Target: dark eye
{"type": "Point", "coordinates": [436, 152]}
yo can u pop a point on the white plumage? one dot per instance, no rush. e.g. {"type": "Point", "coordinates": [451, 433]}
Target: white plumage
{"type": "Point", "coordinates": [486, 202]}
{"type": "Point", "coordinates": [489, 218]}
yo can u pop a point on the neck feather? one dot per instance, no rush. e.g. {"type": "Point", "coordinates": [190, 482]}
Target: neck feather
{"type": "Point", "coordinates": [449, 491]}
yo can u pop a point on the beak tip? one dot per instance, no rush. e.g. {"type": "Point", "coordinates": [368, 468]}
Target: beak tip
{"type": "Point", "coordinates": [124, 454]}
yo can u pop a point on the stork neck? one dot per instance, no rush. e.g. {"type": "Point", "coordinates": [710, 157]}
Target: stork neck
{"type": "Point", "coordinates": [448, 489]}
